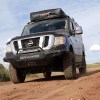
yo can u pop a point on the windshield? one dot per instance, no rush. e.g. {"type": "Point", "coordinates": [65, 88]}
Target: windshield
{"type": "Point", "coordinates": [42, 26]}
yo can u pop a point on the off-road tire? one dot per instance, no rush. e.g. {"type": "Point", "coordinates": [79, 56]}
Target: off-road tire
{"type": "Point", "coordinates": [69, 66]}
{"type": "Point", "coordinates": [16, 75]}
{"type": "Point", "coordinates": [47, 74]}
{"type": "Point", "coordinates": [83, 69]}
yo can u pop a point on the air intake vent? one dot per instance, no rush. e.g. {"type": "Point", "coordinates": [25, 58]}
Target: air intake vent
{"type": "Point", "coordinates": [46, 41]}
{"type": "Point", "coordinates": [16, 45]}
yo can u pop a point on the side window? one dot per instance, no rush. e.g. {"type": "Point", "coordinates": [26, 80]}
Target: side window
{"type": "Point", "coordinates": [71, 26]}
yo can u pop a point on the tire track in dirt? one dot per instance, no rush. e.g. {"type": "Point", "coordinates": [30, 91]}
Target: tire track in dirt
{"type": "Point", "coordinates": [86, 87]}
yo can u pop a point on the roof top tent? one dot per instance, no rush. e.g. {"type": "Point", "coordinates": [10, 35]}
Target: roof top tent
{"type": "Point", "coordinates": [47, 14]}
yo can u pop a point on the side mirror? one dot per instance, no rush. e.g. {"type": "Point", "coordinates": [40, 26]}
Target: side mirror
{"type": "Point", "coordinates": [78, 30]}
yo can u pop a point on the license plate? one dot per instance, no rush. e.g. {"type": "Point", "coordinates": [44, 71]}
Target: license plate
{"type": "Point", "coordinates": [32, 56]}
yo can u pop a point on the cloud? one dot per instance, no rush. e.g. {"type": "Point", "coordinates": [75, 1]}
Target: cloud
{"type": "Point", "coordinates": [86, 13]}
{"type": "Point", "coordinates": [2, 49]}
{"type": "Point", "coordinates": [95, 47]}
{"type": "Point", "coordinates": [8, 21]}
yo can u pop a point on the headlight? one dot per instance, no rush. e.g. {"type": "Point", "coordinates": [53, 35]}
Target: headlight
{"type": "Point", "coordinates": [8, 48]}
{"type": "Point", "coordinates": [59, 40]}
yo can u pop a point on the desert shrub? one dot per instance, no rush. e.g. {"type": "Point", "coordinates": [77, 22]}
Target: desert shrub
{"type": "Point", "coordinates": [4, 75]}
{"type": "Point", "coordinates": [94, 65]}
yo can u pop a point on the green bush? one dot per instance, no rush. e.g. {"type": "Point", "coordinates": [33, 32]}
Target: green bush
{"type": "Point", "coordinates": [4, 75]}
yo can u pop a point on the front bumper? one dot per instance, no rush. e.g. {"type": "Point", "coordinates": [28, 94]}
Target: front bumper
{"type": "Point", "coordinates": [33, 56]}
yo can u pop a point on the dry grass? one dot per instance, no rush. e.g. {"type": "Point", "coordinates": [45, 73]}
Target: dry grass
{"type": "Point", "coordinates": [94, 65]}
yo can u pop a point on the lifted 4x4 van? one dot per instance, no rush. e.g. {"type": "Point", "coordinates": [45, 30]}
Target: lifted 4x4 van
{"type": "Point", "coordinates": [51, 41]}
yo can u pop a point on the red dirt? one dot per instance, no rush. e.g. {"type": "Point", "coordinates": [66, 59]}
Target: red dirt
{"type": "Point", "coordinates": [86, 87]}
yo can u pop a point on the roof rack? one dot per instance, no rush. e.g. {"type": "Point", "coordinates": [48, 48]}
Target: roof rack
{"type": "Point", "coordinates": [47, 14]}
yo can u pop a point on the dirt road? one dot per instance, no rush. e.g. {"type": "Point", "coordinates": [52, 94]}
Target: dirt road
{"type": "Point", "coordinates": [86, 87]}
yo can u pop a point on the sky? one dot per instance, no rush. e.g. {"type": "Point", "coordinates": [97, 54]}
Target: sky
{"type": "Point", "coordinates": [14, 14]}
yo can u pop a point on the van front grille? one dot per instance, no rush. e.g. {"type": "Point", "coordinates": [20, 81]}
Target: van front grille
{"type": "Point", "coordinates": [30, 43]}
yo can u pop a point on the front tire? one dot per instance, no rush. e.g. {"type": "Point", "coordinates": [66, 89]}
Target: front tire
{"type": "Point", "coordinates": [69, 66]}
{"type": "Point", "coordinates": [16, 75]}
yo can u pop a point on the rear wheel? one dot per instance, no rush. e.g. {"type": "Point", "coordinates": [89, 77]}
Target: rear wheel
{"type": "Point", "coordinates": [47, 71]}
{"type": "Point", "coordinates": [16, 75]}
{"type": "Point", "coordinates": [82, 70]}
{"type": "Point", "coordinates": [69, 66]}
{"type": "Point", "coordinates": [47, 74]}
